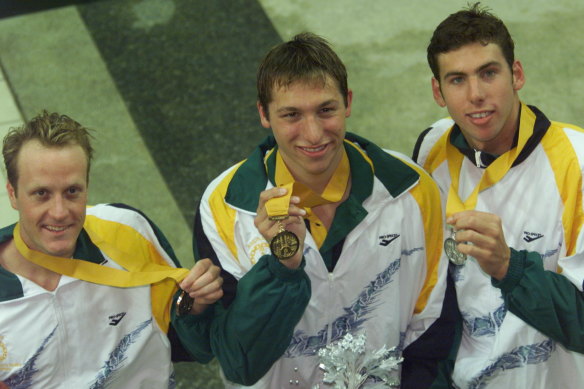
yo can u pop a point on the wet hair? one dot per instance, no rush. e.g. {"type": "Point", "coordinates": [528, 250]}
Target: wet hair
{"type": "Point", "coordinates": [51, 130]}
{"type": "Point", "coordinates": [471, 25]}
{"type": "Point", "coordinates": [306, 57]}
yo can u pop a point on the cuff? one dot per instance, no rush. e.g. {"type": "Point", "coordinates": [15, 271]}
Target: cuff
{"type": "Point", "coordinates": [514, 272]}
{"type": "Point", "coordinates": [284, 273]}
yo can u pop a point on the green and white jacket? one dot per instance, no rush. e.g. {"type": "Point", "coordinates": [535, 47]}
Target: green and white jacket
{"type": "Point", "coordinates": [85, 335]}
{"type": "Point", "coordinates": [388, 282]}
{"type": "Point", "coordinates": [526, 331]}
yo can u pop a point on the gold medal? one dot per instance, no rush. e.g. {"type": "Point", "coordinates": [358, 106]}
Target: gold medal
{"type": "Point", "coordinates": [184, 304]}
{"type": "Point", "coordinates": [285, 244]}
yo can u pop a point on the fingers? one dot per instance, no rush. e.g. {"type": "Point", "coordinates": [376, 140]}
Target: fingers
{"type": "Point", "coordinates": [270, 228]}
{"type": "Point", "coordinates": [203, 282]}
{"type": "Point", "coordinates": [480, 235]}
{"type": "Point", "coordinates": [482, 222]}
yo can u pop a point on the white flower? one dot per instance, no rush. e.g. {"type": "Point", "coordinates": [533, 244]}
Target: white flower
{"type": "Point", "coordinates": [347, 366]}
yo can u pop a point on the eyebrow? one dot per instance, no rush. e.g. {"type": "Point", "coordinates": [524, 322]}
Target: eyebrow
{"type": "Point", "coordinates": [478, 70]}
{"type": "Point", "coordinates": [323, 104]}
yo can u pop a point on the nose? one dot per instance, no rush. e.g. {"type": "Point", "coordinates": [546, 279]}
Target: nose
{"type": "Point", "coordinates": [312, 130]}
{"type": "Point", "coordinates": [476, 91]}
{"type": "Point", "coordinates": [58, 208]}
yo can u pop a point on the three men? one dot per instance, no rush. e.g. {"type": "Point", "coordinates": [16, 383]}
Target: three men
{"type": "Point", "coordinates": [86, 294]}
{"type": "Point", "coordinates": [512, 181]}
{"type": "Point", "coordinates": [321, 233]}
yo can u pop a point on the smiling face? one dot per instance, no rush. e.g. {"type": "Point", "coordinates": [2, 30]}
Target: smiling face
{"type": "Point", "coordinates": [51, 196]}
{"type": "Point", "coordinates": [480, 92]}
{"type": "Point", "coordinates": [308, 122]}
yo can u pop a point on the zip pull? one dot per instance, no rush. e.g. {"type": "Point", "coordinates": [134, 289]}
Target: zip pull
{"type": "Point", "coordinates": [478, 160]}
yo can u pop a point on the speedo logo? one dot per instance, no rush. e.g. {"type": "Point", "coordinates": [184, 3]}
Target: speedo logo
{"type": "Point", "coordinates": [531, 236]}
{"type": "Point", "coordinates": [116, 319]}
{"type": "Point", "coordinates": [385, 240]}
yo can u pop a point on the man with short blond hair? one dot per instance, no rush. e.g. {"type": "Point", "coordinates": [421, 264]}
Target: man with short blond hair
{"type": "Point", "coordinates": [86, 293]}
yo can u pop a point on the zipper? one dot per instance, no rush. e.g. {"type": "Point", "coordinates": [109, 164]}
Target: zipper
{"type": "Point", "coordinates": [478, 160]}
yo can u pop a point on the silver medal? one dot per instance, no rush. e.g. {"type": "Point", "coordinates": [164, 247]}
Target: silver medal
{"type": "Point", "coordinates": [455, 256]}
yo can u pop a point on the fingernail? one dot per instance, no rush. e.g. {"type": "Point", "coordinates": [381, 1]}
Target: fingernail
{"type": "Point", "coordinates": [282, 191]}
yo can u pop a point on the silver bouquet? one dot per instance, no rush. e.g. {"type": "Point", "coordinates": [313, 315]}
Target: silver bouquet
{"type": "Point", "coordinates": [346, 365]}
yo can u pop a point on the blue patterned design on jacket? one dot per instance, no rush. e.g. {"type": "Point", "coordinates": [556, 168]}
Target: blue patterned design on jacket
{"type": "Point", "coordinates": [353, 318]}
{"type": "Point", "coordinates": [518, 357]}
{"type": "Point", "coordinates": [108, 371]}
{"type": "Point", "coordinates": [22, 379]}
{"type": "Point", "coordinates": [550, 253]}
{"type": "Point", "coordinates": [486, 325]}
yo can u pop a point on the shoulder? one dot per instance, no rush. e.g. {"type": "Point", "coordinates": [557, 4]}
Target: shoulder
{"type": "Point", "coordinates": [563, 140]}
{"type": "Point", "coordinates": [426, 189]}
{"type": "Point", "coordinates": [222, 181]}
{"type": "Point", "coordinates": [119, 223]}
{"type": "Point", "coordinates": [428, 139]}
{"type": "Point", "coordinates": [118, 213]}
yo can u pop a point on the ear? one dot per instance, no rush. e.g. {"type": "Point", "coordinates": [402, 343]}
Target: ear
{"type": "Point", "coordinates": [518, 76]}
{"type": "Point", "coordinates": [11, 195]}
{"type": "Point", "coordinates": [263, 116]}
{"type": "Point", "coordinates": [437, 93]}
{"type": "Point", "coordinates": [349, 103]}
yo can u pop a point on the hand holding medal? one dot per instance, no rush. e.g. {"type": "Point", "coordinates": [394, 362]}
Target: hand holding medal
{"type": "Point", "coordinates": [200, 287]}
{"type": "Point", "coordinates": [480, 235]}
{"type": "Point", "coordinates": [279, 221]}
{"type": "Point", "coordinates": [455, 256]}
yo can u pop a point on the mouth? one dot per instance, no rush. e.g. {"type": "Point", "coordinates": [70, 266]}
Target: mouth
{"type": "Point", "coordinates": [480, 115]}
{"type": "Point", "coordinates": [313, 149]}
{"type": "Point", "coordinates": [55, 229]}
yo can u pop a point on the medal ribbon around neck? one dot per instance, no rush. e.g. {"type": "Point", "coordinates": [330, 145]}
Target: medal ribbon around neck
{"type": "Point", "coordinates": [94, 273]}
{"type": "Point", "coordinates": [492, 174]}
{"type": "Point", "coordinates": [278, 207]}
{"type": "Point", "coordinates": [163, 279]}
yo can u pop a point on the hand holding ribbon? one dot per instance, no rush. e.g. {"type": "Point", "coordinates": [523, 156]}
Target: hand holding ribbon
{"type": "Point", "coordinates": [277, 207]}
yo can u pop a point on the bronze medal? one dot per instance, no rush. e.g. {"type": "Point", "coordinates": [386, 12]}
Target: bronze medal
{"type": "Point", "coordinates": [184, 304]}
{"type": "Point", "coordinates": [285, 244]}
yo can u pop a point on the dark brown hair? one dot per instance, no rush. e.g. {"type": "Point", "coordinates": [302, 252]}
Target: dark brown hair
{"type": "Point", "coordinates": [306, 57]}
{"type": "Point", "coordinates": [474, 24]}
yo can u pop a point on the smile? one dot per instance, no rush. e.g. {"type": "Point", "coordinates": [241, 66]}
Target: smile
{"type": "Point", "coordinates": [56, 229]}
{"type": "Point", "coordinates": [313, 149]}
{"type": "Point", "coordinates": [480, 115]}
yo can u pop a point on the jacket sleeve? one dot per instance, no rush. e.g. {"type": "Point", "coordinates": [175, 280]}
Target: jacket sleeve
{"type": "Point", "coordinates": [253, 324]}
{"type": "Point", "coordinates": [548, 301]}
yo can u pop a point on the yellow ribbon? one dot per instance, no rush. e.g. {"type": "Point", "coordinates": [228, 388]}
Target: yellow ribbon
{"type": "Point", "coordinates": [492, 174]}
{"type": "Point", "coordinates": [137, 256]}
{"type": "Point", "coordinates": [309, 199]}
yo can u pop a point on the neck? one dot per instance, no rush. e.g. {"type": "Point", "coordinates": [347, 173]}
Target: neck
{"type": "Point", "coordinates": [14, 262]}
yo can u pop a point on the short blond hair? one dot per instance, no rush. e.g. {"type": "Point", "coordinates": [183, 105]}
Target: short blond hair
{"type": "Point", "coordinates": [51, 130]}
